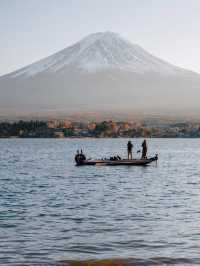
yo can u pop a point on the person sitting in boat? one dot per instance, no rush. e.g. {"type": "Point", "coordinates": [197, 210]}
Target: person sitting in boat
{"type": "Point", "coordinates": [129, 149]}
{"type": "Point", "coordinates": [144, 149]}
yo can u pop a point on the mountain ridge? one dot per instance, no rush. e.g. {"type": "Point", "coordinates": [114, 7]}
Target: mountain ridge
{"type": "Point", "coordinates": [101, 71]}
{"type": "Point", "coordinates": [100, 51]}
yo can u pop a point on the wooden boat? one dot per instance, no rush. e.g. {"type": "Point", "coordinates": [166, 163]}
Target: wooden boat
{"type": "Point", "coordinates": [108, 162]}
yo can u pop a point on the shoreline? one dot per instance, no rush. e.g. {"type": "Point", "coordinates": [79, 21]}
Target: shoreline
{"type": "Point", "coordinates": [129, 261]}
{"type": "Point", "coordinates": [127, 137]}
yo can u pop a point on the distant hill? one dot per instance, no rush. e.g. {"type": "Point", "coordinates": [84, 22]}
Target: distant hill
{"type": "Point", "coordinates": [101, 72]}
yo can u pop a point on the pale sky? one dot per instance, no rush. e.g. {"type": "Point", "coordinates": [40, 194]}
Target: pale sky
{"type": "Point", "coordinates": [33, 29]}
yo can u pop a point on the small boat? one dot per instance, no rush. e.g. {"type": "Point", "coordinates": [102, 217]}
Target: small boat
{"type": "Point", "coordinates": [108, 162]}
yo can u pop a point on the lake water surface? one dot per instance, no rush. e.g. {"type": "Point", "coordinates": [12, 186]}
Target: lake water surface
{"type": "Point", "coordinates": [51, 210]}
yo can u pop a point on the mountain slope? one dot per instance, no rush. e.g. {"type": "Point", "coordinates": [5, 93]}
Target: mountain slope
{"type": "Point", "coordinates": [98, 52]}
{"type": "Point", "coordinates": [102, 71]}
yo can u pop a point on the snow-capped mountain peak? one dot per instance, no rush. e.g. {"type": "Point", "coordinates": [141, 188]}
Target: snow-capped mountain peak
{"type": "Point", "coordinates": [100, 52]}
{"type": "Point", "coordinates": [100, 72]}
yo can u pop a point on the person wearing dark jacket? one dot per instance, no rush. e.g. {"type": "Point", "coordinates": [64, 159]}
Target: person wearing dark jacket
{"type": "Point", "coordinates": [129, 149]}
{"type": "Point", "coordinates": [144, 149]}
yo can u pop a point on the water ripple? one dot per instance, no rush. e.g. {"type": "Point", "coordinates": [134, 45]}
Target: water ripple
{"type": "Point", "coordinates": [51, 211]}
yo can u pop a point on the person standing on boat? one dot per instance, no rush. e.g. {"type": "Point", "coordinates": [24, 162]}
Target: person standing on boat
{"type": "Point", "coordinates": [144, 149]}
{"type": "Point", "coordinates": [129, 149]}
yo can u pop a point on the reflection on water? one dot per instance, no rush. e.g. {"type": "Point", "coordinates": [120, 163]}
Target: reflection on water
{"type": "Point", "coordinates": [51, 211]}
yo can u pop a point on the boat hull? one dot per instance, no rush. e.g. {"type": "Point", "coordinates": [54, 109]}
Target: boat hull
{"type": "Point", "coordinates": [136, 162]}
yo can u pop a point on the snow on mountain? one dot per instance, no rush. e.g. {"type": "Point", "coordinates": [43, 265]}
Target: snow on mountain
{"type": "Point", "coordinates": [100, 52]}
{"type": "Point", "coordinates": [100, 72]}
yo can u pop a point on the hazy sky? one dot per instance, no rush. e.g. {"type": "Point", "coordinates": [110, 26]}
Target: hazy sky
{"type": "Point", "coordinates": [33, 29]}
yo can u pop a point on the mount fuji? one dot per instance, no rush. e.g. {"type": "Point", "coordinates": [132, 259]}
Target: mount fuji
{"type": "Point", "coordinates": [100, 72]}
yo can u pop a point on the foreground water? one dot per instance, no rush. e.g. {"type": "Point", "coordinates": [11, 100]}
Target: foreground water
{"type": "Point", "coordinates": [52, 211]}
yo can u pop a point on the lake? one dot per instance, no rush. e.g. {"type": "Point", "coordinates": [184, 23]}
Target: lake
{"type": "Point", "coordinates": [51, 210]}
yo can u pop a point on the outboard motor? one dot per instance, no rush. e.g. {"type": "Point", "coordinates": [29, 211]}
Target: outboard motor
{"type": "Point", "coordinates": [80, 158]}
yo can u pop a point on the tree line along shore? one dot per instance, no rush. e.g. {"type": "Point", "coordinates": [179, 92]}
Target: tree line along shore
{"type": "Point", "coordinates": [104, 129]}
